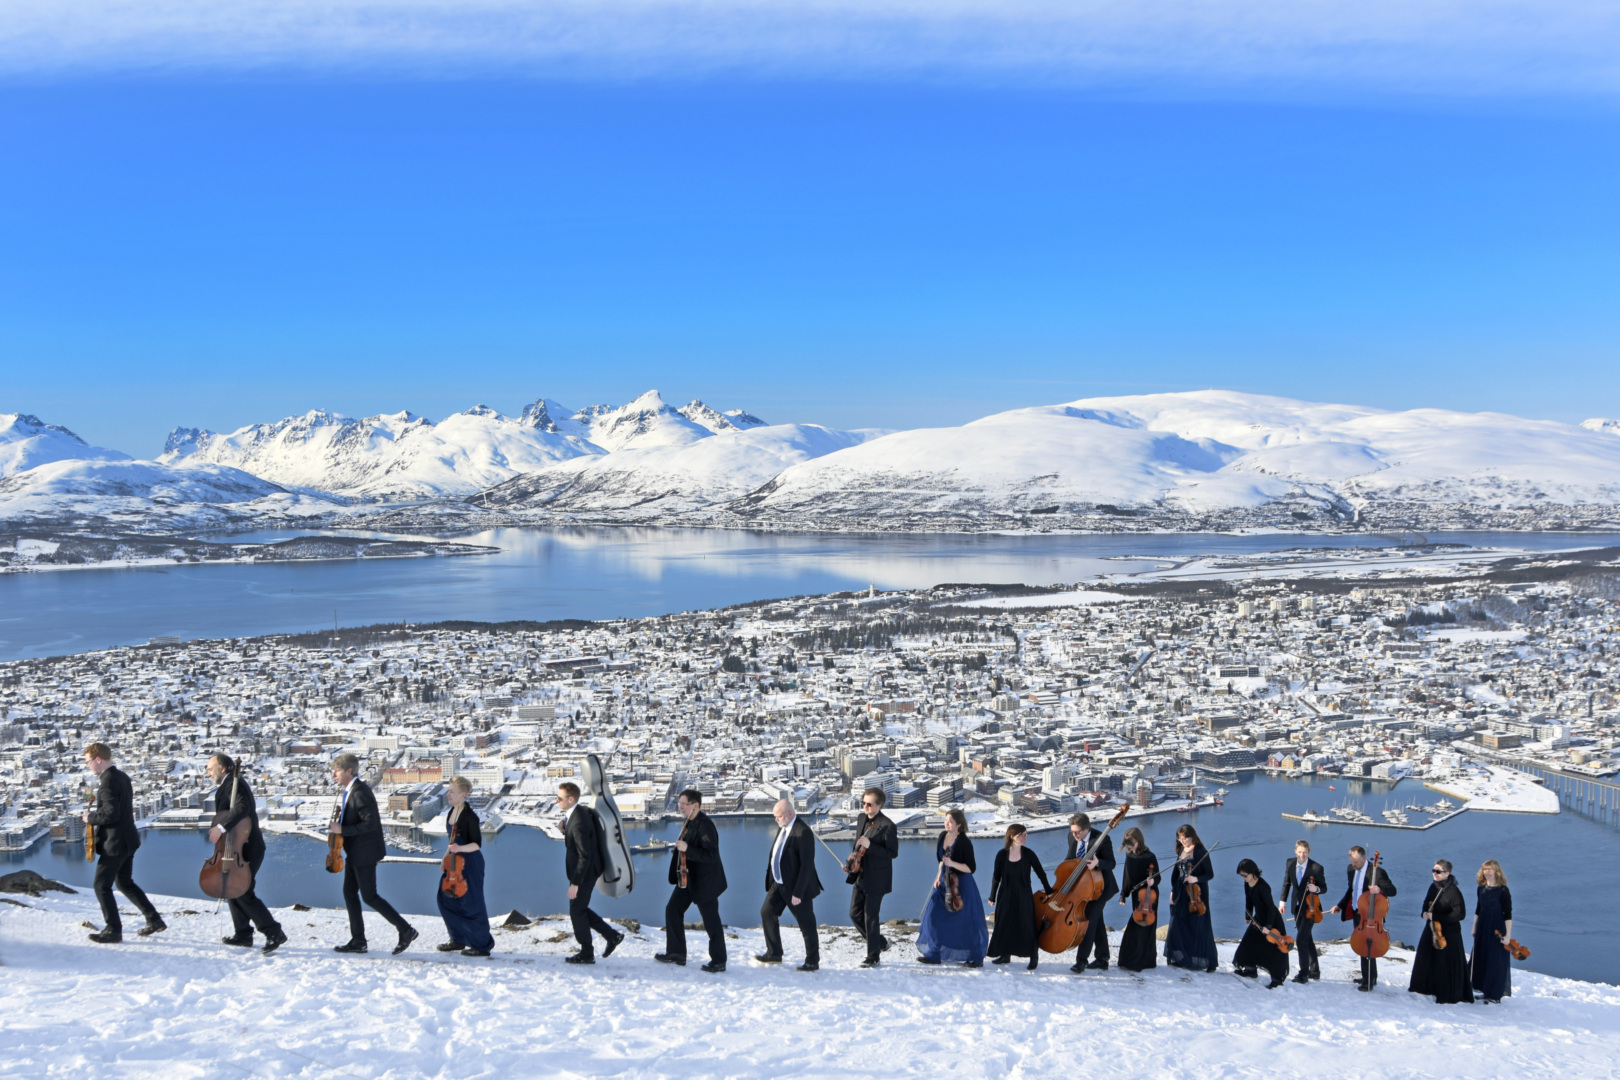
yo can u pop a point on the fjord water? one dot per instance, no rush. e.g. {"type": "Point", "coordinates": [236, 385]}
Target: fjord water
{"type": "Point", "coordinates": [585, 573]}
{"type": "Point", "coordinates": [525, 870]}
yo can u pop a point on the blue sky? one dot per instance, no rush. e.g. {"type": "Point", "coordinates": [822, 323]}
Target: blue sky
{"type": "Point", "coordinates": [862, 225]}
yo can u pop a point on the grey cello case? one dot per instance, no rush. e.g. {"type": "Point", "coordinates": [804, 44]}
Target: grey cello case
{"type": "Point", "coordinates": [618, 873]}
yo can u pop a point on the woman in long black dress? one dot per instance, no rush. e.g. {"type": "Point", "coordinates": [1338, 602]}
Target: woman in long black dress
{"type": "Point", "coordinates": [1139, 945]}
{"type": "Point", "coordinates": [1255, 951]}
{"type": "Point", "coordinates": [1493, 927]}
{"type": "Point", "coordinates": [1442, 973]}
{"type": "Point", "coordinates": [1190, 942]}
{"type": "Point", "coordinates": [465, 917]}
{"type": "Point", "coordinates": [1013, 900]}
{"type": "Point", "coordinates": [955, 936]}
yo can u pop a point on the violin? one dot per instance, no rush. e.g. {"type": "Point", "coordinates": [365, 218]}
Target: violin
{"type": "Point", "coordinates": [1515, 950]}
{"type": "Point", "coordinates": [1310, 909]}
{"type": "Point", "coordinates": [1145, 913]}
{"type": "Point", "coordinates": [682, 877]}
{"type": "Point", "coordinates": [225, 875]}
{"type": "Point", "coordinates": [1063, 910]}
{"type": "Point", "coordinates": [1195, 891]}
{"type": "Point", "coordinates": [953, 891]}
{"type": "Point", "coordinates": [455, 865]}
{"type": "Point", "coordinates": [1436, 934]}
{"type": "Point", "coordinates": [334, 842]}
{"type": "Point", "coordinates": [89, 837]}
{"type": "Point", "coordinates": [852, 865]}
{"type": "Point", "coordinates": [1277, 937]}
{"type": "Point", "coordinates": [1370, 939]}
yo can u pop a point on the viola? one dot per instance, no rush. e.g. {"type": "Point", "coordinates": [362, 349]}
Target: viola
{"type": "Point", "coordinates": [334, 842]}
{"type": "Point", "coordinates": [1147, 901]}
{"type": "Point", "coordinates": [682, 877]}
{"type": "Point", "coordinates": [455, 866]}
{"type": "Point", "coordinates": [1277, 937]}
{"type": "Point", "coordinates": [1370, 938]}
{"type": "Point", "coordinates": [1310, 909]}
{"type": "Point", "coordinates": [1063, 910]}
{"type": "Point", "coordinates": [1515, 950]}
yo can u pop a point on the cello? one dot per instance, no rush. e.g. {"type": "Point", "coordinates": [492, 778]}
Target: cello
{"type": "Point", "coordinates": [1370, 940]}
{"type": "Point", "coordinates": [1063, 910]}
{"type": "Point", "coordinates": [225, 875]}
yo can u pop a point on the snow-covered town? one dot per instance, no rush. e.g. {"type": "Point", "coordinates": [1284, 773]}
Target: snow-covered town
{"type": "Point", "coordinates": [1010, 702]}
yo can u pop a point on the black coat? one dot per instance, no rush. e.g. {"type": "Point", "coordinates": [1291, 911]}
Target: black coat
{"type": "Point", "coordinates": [1105, 860]}
{"type": "Point", "coordinates": [1254, 950]}
{"type": "Point", "coordinates": [582, 847]}
{"type": "Point", "coordinates": [1294, 892]}
{"type": "Point", "coordinates": [362, 825]}
{"type": "Point", "coordinates": [877, 865]}
{"type": "Point", "coordinates": [705, 874]}
{"type": "Point", "coordinates": [798, 863]}
{"type": "Point", "coordinates": [1347, 905]}
{"type": "Point", "coordinates": [114, 814]}
{"type": "Point", "coordinates": [243, 806]}
{"type": "Point", "coordinates": [467, 830]}
{"type": "Point", "coordinates": [1443, 973]}
{"type": "Point", "coordinates": [959, 852]}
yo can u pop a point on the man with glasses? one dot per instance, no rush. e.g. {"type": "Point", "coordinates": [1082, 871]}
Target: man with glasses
{"type": "Point", "coordinates": [697, 854]}
{"type": "Point", "coordinates": [1346, 908]}
{"type": "Point", "coordinates": [877, 843]}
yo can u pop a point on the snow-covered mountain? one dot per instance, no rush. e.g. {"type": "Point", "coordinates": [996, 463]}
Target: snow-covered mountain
{"type": "Point", "coordinates": [27, 441]}
{"type": "Point", "coordinates": [1195, 453]}
{"type": "Point", "coordinates": [1602, 426]}
{"type": "Point", "coordinates": [136, 493]}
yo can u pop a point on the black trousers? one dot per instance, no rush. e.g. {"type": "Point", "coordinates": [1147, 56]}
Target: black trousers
{"type": "Point", "coordinates": [248, 911]}
{"type": "Point", "coordinates": [360, 883]}
{"type": "Point", "coordinates": [119, 870]}
{"type": "Point", "coordinates": [1305, 946]}
{"type": "Point", "coordinates": [865, 914]}
{"type": "Point", "coordinates": [585, 920]}
{"type": "Point", "coordinates": [770, 921]}
{"type": "Point", "coordinates": [1369, 964]}
{"type": "Point", "coordinates": [1096, 935]}
{"type": "Point", "coordinates": [675, 924]}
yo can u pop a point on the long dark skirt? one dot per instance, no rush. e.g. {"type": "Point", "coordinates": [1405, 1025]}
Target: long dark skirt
{"type": "Point", "coordinates": [465, 916]}
{"type": "Point", "coordinates": [1016, 932]}
{"type": "Point", "coordinates": [1191, 940]}
{"type": "Point", "coordinates": [1139, 945]}
{"type": "Point", "coordinates": [954, 936]}
{"type": "Point", "coordinates": [1442, 973]}
{"type": "Point", "coordinates": [1492, 967]}
{"type": "Point", "coordinates": [1256, 952]}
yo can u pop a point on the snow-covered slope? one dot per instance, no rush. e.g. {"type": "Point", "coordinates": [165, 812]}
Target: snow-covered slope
{"type": "Point", "coordinates": [645, 481]}
{"type": "Point", "coordinates": [140, 491]}
{"type": "Point", "coordinates": [27, 441]}
{"type": "Point", "coordinates": [645, 423]}
{"type": "Point", "coordinates": [395, 455]}
{"type": "Point", "coordinates": [1602, 425]}
{"type": "Point", "coordinates": [182, 1004]}
{"type": "Point", "coordinates": [1196, 453]}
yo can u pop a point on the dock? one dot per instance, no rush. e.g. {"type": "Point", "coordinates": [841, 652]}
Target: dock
{"type": "Point", "coordinates": [1318, 819]}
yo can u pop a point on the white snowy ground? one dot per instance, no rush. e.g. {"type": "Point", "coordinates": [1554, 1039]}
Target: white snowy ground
{"type": "Point", "coordinates": [180, 1006]}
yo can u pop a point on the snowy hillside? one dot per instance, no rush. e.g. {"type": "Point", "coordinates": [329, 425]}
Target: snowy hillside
{"type": "Point", "coordinates": [27, 441]}
{"type": "Point", "coordinates": [1602, 426]}
{"type": "Point", "coordinates": [132, 493]}
{"type": "Point", "coordinates": [182, 1004]}
{"type": "Point", "coordinates": [1201, 452]}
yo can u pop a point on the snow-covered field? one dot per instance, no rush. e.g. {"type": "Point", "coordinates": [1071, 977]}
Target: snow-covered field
{"type": "Point", "coordinates": [181, 1006]}
{"type": "Point", "coordinates": [1496, 788]}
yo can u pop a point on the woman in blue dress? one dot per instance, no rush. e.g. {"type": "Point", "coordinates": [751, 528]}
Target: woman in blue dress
{"type": "Point", "coordinates": [465, 917]}
{"type": "Point", "coordinates": [1493, 915]}
{"type": "Point", "coordinates": [1190, 941]}
{"type": "Point", "coordinates": [961, 936]}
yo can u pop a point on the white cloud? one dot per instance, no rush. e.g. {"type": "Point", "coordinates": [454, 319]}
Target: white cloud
{"type": "Point", "coordinates": [1448, 47]}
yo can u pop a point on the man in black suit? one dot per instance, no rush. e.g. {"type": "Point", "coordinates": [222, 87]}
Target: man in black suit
{"type": "Point", "coordinates": [359, 822]}
{"type": "Point", "coordinates": [582, 860]}
{"type": "Point", "coordinates": [234, 799]}
{"type": "Point", "coordinates": [1360, 881]}
{"type": "Point", "coordinates": [1098, 850]}
{"type": "Point", "coordinates": [790, 884]}
{"type": "Point", "coordinates": [1302, 876]}
{"type": "Point", "coordinates": [877, 838]}
{"type": "Point", "coordinates": [705, 881]}
{"type": "Point", "coordinates": [113, 818]}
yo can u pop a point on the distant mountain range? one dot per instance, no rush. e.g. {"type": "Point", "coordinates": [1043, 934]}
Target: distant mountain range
{"type": "Point", "coordinates": [1206, 459]}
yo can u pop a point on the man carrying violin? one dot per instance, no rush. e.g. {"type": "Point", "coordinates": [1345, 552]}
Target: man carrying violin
{"type": "Point", "coordinates": [1302, 878]}
{"type": "Point", "coordinates": [697, 852]}
{"type": "Point", "coordinates": [1084, 844]}
{"type": "Point", "coordinates": [877, 843]}
{"type": "Point", "coordinates": [235, 799]}
{"type": "Point", "coordinates": [1346, 908]}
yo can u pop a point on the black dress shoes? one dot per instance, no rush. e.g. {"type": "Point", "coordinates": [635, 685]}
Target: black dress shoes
{"type": "Point", "coordinates": [669, 958]}
{"type": "Point", "coordinates": [241, 941]}
{"type": "Point", "coordinates": [451, 946]}
{"type": "Point", "coordinates": [350, 947]}
{"type": "Point", "coordinates": [928, 960]}
{"type": "Point", "coordinates": [870, 962]}
{"type": "Point", "coordinates": [1078, 969]}
{"type": "Point", "coordinates": [1302, 977]}
{"type": "Point", "coordinates": [1098, 965]}
{"type": "Point", "coordinates": [1000, 959]}
{"type": "Point", "coordinates": [154, 925]}
{"type": "Point", "coordinates": [107, 937]}
{"type": "Point", "coordinates": [613, 943]}
{"type": "Point", "coordinates": [406, 936]}
{"type": "Point", "coordinates": [973, 963]}
{"type": "Point", "coordinates": [767, 958]}
{"type": "Point", "coordinates": [810, 965]}
{"type": "Point", "coordinates": [714, 967]}
{"type": "Point", "coordinates": [274, 940]}
{"type": "Point", "coordinates": [580, 958]}
{"type": "Point", "coordinates": [470, 951]}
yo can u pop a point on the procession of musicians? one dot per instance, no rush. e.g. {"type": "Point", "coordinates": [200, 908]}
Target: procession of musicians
{"type": "Point", "coordinates": [956, 925]}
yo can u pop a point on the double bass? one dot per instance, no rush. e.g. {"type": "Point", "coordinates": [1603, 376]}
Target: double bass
{"type": "Point", "coordinates": [225, 875]}
{"type": "Point", "coordinates": [1370, 940]}
{"type": "Point", "coordinates": [1062, 911]}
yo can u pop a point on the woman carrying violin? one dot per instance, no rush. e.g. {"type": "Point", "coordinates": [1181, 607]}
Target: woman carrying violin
{"type": "Point", "coordinates": [1013, 898]}
{"type": "Point", "coordinates": [1259, 948]}
{"type": "Point", "coordinates": [1306, 881]}
{"type": "Point", "coordinates": [247, 910]}
{"type": "Point", "coordinates": [1493, 925]}
{"type": "Point", "coordinates": [953, 918]}
{"type": "Point", "coordinates": [465, 916]}
{"type": "Point", "coordinates": [1440, 968]}
{"type": "Point", "coordinates": [1139, 946]}
{"type": "Point", "coordinates": [1190, 942]}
